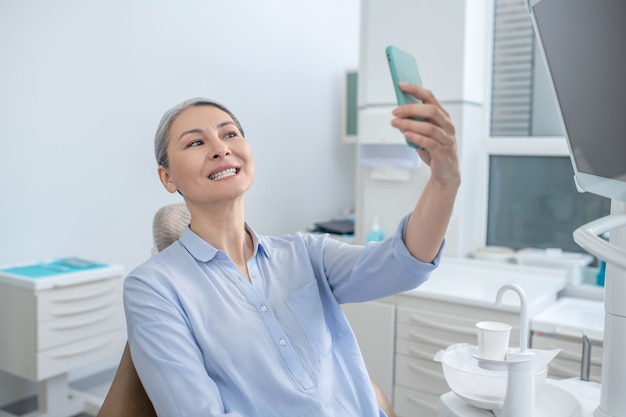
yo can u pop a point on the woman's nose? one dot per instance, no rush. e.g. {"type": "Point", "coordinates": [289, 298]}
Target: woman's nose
{"type": "Point", "coordinates": [220, 151]}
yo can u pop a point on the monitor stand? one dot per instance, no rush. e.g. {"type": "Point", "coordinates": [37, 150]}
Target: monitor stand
{"type": "Point", "coordinates": [612, 398]}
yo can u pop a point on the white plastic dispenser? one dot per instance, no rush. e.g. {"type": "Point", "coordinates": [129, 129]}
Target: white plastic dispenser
{"type": "Point", "coordinates": [512, 387]}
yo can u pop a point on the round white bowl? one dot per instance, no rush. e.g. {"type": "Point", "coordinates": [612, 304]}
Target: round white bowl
{"type": "Point", "coordinates": [479, 387]}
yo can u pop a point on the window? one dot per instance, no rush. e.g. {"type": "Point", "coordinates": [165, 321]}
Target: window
{"type": "Point", "coordinates": [523, 103]}
{"type": "Point", "coordinates": [532, 200]}
{"type": "Point", "coordinates": [350, 106]}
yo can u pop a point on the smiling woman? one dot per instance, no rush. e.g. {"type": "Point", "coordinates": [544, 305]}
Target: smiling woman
{"type": "Point", "coordinates": [203, 154]}
{"type": "Point", "coordinates": [84, 83]}
{"type": "Point", "coordinates": [225, 321]}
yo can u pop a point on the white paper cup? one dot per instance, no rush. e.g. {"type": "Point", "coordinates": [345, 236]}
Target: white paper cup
{"type": "Point", "coordinates": [493, 339]}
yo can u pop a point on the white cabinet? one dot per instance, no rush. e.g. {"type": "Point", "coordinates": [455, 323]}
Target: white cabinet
{"type": "Point", "coordinates": [374, 326]}
{"type": "Point", "coordinates": [567, 363]}
{"type": "Point", "coordinates": [437, 34]}
{"type": "Point", "coordinates": [561, 326]}
{"type": "Point", "coordinates": [57, 325]}
{"type": "Point", "coordinates": [425, 327]}
{"type": "Point", "coordinates": [448, 40]}
{"type": "Point", "coordinates": [443, 312]}
{"type": "Point", "coordinates": [61, 329]}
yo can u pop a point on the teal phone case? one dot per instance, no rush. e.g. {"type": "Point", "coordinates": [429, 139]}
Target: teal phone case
{"type": "Point", "coordinates": [403, 67]}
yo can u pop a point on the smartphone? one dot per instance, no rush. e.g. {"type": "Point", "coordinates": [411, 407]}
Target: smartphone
{"type": "Point", "coordinates": [403, 67]}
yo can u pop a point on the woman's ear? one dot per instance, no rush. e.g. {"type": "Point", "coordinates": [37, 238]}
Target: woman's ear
{"type": "Point", "coordinates": [166, 179]}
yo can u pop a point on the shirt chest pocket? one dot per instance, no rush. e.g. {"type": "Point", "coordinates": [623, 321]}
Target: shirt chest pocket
{"type": "Point", "coordinates": [306, 306]}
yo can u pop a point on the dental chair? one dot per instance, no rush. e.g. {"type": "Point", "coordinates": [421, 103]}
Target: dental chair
{"type": "Point", "coordinates": [126, 396]}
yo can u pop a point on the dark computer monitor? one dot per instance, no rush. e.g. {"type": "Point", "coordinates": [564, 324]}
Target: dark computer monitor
{"type": "Point", "coordinates": [583, 44]}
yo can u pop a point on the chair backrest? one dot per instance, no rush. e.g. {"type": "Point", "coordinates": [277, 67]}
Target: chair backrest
{"type": "Point", "coordinates": [126, 396]}
{"type": "Point", "coordinates": [168, 224]}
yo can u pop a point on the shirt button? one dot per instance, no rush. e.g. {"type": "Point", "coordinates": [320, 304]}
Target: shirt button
{"type": "Point", "coordinates": [264, 308]}
{"type": "Point", "coordinates": [282, 342]}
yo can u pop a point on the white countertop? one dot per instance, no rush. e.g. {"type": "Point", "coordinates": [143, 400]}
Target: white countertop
{"type": "Point", "coordinates": [572, 317]}
{"type": "Point", "coordinates": [476, 282]}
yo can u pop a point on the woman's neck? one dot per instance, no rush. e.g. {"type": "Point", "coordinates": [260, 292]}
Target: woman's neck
{"type": "Point", "coordinates": [225, 230]}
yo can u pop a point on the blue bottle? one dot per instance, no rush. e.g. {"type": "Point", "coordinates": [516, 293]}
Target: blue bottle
{"type": "Point", "coordinates": [601, 272]}
{"type": "Point", "coordinates": [602, 268]}
{"type": "Point", "coordinates": [375, 234]}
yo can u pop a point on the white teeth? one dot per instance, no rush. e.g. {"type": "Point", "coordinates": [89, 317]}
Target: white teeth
{"type": "Point", "coordinates": [222, 174]}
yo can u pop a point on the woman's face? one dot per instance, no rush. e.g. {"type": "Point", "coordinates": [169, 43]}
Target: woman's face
{"type": "Point", "coordinates": [209, 159]}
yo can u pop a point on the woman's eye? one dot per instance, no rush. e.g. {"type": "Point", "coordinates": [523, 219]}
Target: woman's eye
{"type": "Point", "coordinates": [194, 143]}
{"type": "Point", "coordinates": [231, 135]}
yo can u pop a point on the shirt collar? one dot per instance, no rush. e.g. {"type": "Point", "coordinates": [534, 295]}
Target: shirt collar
{"type": "Point", "coordinates": [204, 252]}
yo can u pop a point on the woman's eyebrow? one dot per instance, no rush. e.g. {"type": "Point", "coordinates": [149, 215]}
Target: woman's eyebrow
{"type": "Point", "coordinates": [186, 132]}
{"type": "Point", "coordinates": [225, 123]}
{"type": "Point", "coordinates": [198, 130]}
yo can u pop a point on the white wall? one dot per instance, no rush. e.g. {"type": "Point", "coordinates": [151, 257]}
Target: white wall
{"type": "Point", "coordinates": [84, 84]}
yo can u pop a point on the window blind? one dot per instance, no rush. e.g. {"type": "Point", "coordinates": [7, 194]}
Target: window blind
{"type": "Point", "coordinates": [513, 53]}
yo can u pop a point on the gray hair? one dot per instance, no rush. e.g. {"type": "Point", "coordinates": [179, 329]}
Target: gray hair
{"type": "Point", "coordinates": [160, 139]}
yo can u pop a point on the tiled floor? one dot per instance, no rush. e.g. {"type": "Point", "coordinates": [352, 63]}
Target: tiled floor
{"type": "Point", "coordinates": [96, 385]}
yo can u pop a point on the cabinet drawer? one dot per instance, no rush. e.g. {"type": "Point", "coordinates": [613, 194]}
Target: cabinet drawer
{"type": "Point", "coordinates": [567, 363]}
{"type": "Point", "coordinates": [426, 376]}
{"type": "Point", "coordinates": [570, 350]}
{"type": "Point", "coordinates": [67, 358]}
{"type": "Point", "coordinates": [454, 315]}
{"type": "Point", "coordinates": [79, 299]}
{"type": "Point", "coordinates": [411, 403]}
{"type": "Point", "coordinates": [417, 341]}
{"type": "Point", "coordinates": [462, 327]}
{"type": "Point", "coordinates": [560, 369]}
{"type": "Point", "coordinates": [435, 321]}
{"type": "Point", "coordinates": [54, 333]}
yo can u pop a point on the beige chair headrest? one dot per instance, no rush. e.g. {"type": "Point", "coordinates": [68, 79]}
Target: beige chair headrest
{"type": "Point", "coordinates": [168, 224]}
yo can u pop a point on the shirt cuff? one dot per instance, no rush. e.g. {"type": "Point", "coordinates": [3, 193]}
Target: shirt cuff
{"type": "Point", "coordinates": [403, 252]}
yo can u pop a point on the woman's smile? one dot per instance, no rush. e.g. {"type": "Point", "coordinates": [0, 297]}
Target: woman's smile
{"type": "Point", "coordinates": [223, 174]}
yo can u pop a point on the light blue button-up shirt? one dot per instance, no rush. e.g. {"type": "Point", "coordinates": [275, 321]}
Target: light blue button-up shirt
{"type": "Point", "coordinates": [207, 342]}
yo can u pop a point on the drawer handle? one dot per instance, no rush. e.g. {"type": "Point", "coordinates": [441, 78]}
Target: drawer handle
{"type": "Point", "coordinates": [77, 311]}
{"type": "Point", "coordinates": [76, 351]}
{"type": "Point", "coordinates": [73, 284]}
{"type": "Point", "coordinates": [564, 372]}
{"type": "Point", "coordinates": [426, 404]}
{"type": "Point", "coordinates": [419, 354]}
{"type": "Point", "coordinates": [446, 327]}
{"type": "Point", "coordinates": [428, 372]}
{"type": "Point", "coordinates": [89, 292]}
{"type": "Point", "coordinates": [550, 345]}
{"type": "Point", "coordinates": [566, 332]}
{"type": "Point", "coordinates": [565, 354]}
{"type": "Point", "coordinates": [82, 323]}
{"type": "Point", "coordinates": [428, 339]}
